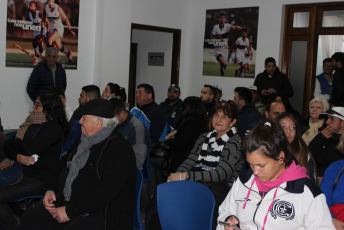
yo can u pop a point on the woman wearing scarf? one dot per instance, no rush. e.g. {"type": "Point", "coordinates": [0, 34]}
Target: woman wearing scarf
{"type": "Point", "coordinates": [312, 125]}
{"type": "Point", "coordinates": [215, 160]}
{"type": "Point", "coordinates": [276, 193]}
{"type": "Point", "coordinates": [41, 135]}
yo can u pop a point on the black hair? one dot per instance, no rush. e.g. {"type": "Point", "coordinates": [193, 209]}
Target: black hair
{"type": "Point", "coordinates": [118, 91]}
{"type": "Point", "coordinates": [59, 91]}
{"type": "Point", "coordinates": [193, 106]}
{"type": "Point", "coordinates": [212, 89]}
{"type": "Point", "coordinates": [244, 94]}
{"type": "Point", "coordinates": [270, 59]}
{"type": "Point", "coordinates": [118, 105]}
{"type": "Point", "coordinates": [92, 90]}
{"type": "Point", "coordinates": [53, 108]}
{"type": "Point", "coordinates": [269, 139]}
{"type": "Point", "coordinates": [327, 60]}
{"type": "Point", "coordinates": [338, 56]}
{"type": "Point", "coordinates": [148, 89]}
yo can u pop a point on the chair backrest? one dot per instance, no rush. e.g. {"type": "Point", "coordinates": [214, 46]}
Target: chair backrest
{"type": "Point", "coordinates": [185, 205]}
{"type": "Point", "coordinates": [145, 168]}
{"type": "Point", "coordinates": [137, 222]}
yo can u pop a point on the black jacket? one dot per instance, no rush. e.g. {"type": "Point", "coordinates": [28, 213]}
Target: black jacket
{"type": "Point", "coordinates": [157, 120]}
{"type": "Point", "coordinates": [324, 151]}
{"type": "Point", "coordinates": [279, 81]}
{"type": "Point", "coordinates": [173, 113]}
{"type": "Point", "coordinates": [41, 79]}
{"type": "Point", "coordinates": [46, 143]}
{"type": "Point", "coordinates": [105, 184]}
{"type": "Point", "coordinates": [337, 97]}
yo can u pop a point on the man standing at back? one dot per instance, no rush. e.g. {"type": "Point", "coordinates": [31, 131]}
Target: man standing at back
{"type": "Point", "coordinates": [337, 98]}
{"type": "Point", "coordinates": [323, 82]}
{"type": "Point", "coordinates": [172, 106]}
{"type": "Point", "coordinates": [46, 75]}
{"type": "Point", "coordinates": [149, 113]}
{"type": "Point", "coordinates": [272, 81]}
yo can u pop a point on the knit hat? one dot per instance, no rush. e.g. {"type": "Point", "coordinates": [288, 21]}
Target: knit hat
{"type": "Point", "coordinates": [336, 112]}
{"type": "Point", "coordinates": [98, 107]}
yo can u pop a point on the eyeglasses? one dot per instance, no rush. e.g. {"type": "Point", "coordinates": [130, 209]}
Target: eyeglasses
{"type": "Point", "coordinates": [37, 104]}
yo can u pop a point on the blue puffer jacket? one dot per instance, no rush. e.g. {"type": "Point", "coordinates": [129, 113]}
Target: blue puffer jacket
{"type": "Point", "coordinates": [41, 79]}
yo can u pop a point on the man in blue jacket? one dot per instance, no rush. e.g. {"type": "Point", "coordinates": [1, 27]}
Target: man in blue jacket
{"type": "Point", "coordinates": [47, 75]}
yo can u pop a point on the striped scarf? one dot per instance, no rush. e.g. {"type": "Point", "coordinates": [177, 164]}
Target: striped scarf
{"type": "Point", "coordinates": [208, 160]}
{"type": "Point", "coordinates": [34, 118]}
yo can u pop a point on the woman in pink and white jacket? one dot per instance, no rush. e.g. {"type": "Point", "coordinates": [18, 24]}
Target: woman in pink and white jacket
{"type": "Point", "coordinates": [276, 193]}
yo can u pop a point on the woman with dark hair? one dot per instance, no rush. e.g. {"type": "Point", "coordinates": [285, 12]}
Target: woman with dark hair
{"type": "Point", "coordinates": [180, 142]}
{"type": "Point", "coordinates": [215, 159]}
{"type": "Point", "coordinates": [114, 91]}
{"type": "Point", "coordinates": [193, 123]}
{"type": "Point", "coordinates": [276, 193]}
{"type": "Point", "coordinates": [299, 149]}
{"type": "Point", "coordinates": [36, 146]}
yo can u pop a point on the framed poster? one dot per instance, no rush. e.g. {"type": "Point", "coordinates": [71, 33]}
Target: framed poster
{"type": "Point", "coordinates": [230, 42]}
{"type": "Point", "coordinates": [34, 25]}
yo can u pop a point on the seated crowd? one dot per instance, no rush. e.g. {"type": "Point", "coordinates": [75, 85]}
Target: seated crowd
{"type": "Point", "coordinates": [266, 167]}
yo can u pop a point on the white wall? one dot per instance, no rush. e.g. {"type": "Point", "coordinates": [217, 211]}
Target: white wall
{"type": "Point", "coordinates": [157, 76]}
{"type": "Point", "coordinates": [270, 40]}
{"type": "Point", "coordinates": [15, 103]}
{"type": "Point", "coordinates": [104, 45]}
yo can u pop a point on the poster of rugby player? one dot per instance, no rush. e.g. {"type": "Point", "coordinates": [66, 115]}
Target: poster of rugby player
{"type": "Point", "coordinates": [33, 25]}
{"type": "Point", "coordinates": [230, 42]}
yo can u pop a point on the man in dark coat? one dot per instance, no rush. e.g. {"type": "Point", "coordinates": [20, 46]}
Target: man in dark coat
{"type": "Point", "coordinates": [272, 81]}
{"type": "Point", "coordinates": [96, 189]}
{"type": "Point", "coordinates": [47, 75]}
{"type": "Point", "coordinates": [337, 97]}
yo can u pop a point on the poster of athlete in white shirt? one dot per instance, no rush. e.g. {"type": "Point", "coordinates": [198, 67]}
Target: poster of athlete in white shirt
{"type": "Point", "coordinates": [228, 32]}
{"type": "Point", "coordinates": [33, 25]}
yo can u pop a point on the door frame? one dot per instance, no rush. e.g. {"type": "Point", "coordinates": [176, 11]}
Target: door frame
{"type": "Point", "coordinates": [176, 44]}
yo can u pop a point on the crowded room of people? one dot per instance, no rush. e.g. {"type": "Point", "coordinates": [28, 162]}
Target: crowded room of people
{"type": "Point", "coordinates": [207, 115]}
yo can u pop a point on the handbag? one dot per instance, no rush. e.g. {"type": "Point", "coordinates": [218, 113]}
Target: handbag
{"type": "Point", "coordinates": [11, 174]}
{"type": "Point", "coordinates": [161, 150]}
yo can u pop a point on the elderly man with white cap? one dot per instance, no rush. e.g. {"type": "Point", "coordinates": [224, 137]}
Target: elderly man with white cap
{"type": "Point", "coordinates": [96, 189]}
{"type": "Point", "coordinates": [324, 145]}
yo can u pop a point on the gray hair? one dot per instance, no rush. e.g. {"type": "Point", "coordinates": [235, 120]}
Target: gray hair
{"type": "Point", "coordinates": [322, 101]}
{"type": "Point", "coordinates": [107, 121]}
{"type": "Point", "coordinates": [51, 50]}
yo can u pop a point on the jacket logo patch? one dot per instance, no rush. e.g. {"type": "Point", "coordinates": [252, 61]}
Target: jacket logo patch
{"type": "Point", "coordinates": [282, 209]}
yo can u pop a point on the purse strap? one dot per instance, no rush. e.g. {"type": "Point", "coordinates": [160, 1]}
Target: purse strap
{"type": "Point", "coordinates": [337, 179]}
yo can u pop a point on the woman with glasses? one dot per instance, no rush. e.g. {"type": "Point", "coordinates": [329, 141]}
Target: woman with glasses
{"type": "Point", "coordinates": [215, 159]}
{"type": "Point", "coordinates": [36, 146]}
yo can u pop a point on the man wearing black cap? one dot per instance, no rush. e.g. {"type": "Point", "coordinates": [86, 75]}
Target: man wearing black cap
{"type": "Point", "coordinates": [96, 189]}
{"type": "Point", "coordinates": [172, 106]}
{"type": "Point", "coordinates": [324, 145]}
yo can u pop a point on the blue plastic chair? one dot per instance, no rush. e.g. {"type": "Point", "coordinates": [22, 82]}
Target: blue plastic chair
{"type": "Point", "coordinates": [185, 205]}
{"type": "Point", "coordinates": [137, 222]}
{"type": "Point", "coordinates": [145, 168]}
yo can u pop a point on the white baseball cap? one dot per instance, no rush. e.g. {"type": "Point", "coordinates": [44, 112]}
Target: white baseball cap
{"type": "Point", "coordinates": [336, 112]}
